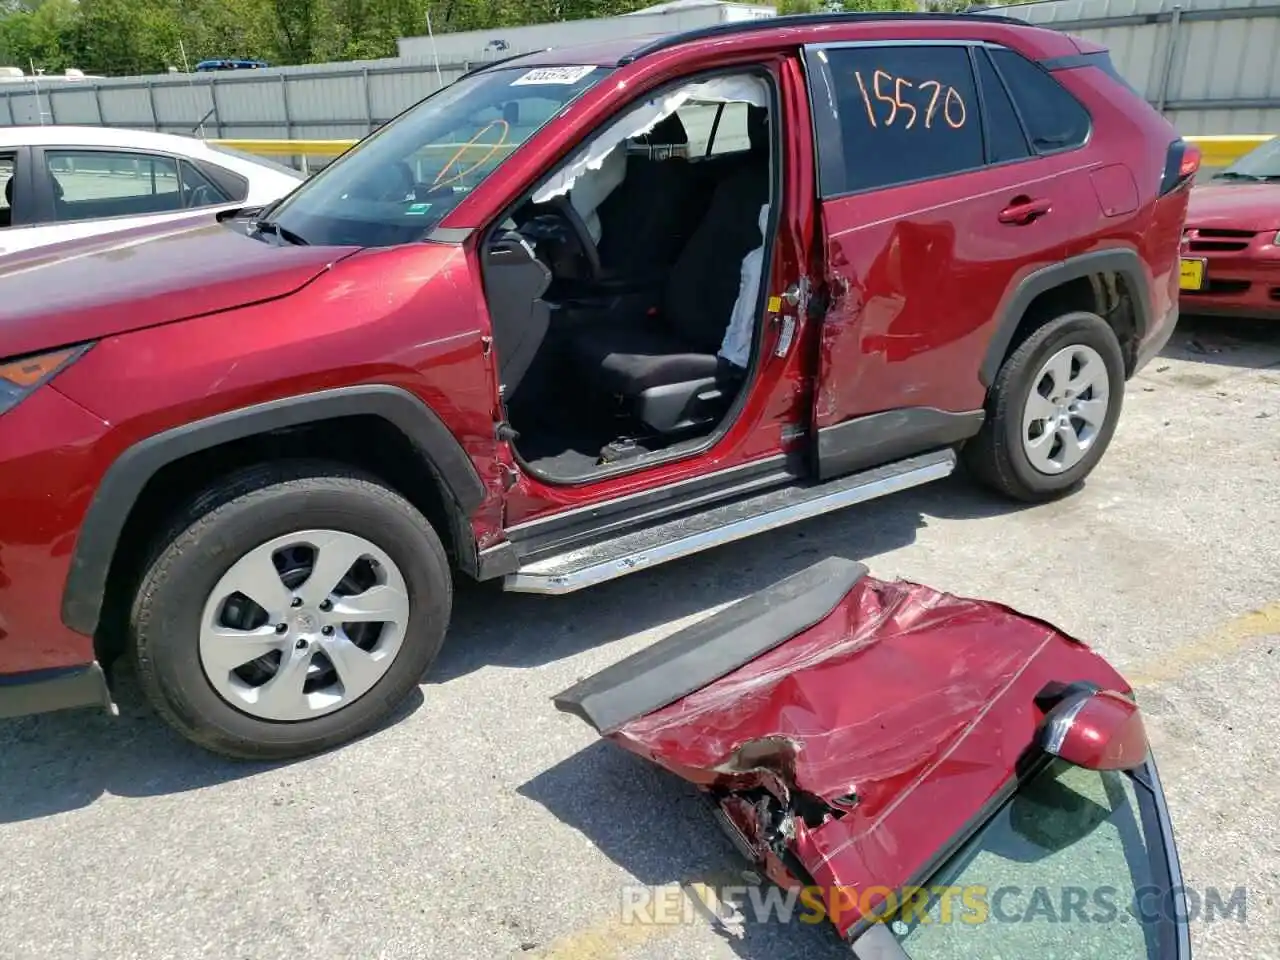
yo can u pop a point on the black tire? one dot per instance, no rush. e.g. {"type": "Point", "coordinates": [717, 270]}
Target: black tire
{"type": "Point", "coordinates": [996, 456]}
{"type": "Point", "coordinates": [239, 513]}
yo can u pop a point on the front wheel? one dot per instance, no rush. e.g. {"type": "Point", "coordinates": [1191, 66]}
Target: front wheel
{"type": "Point", "coordinates": [1051, 411]}
{"type": "Point", "coordinates": [292, 611]}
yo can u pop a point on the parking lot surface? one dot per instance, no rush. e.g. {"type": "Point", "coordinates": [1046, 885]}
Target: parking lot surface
{"type": "Point", "coordinates": [484, 824]}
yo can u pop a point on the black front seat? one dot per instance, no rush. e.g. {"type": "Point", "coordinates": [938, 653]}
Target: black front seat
{"type": "Point", "coordinates": [662, 364]}
{"type": "Point", "coordinates": [646, 222]}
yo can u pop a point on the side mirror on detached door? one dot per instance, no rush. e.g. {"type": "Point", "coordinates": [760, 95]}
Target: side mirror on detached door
{"type": "Point", "coordinates": [1092, 728]}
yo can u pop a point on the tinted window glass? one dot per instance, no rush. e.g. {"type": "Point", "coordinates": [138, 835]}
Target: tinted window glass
{"type": "Point", "coordinates": [1102, 61]}
{"type": "Point", "coordinates": [1063, 870]}
{"type": "Point", "coordinates": [89, 185]}
{"type": "Point", "coordinates": [1055, 120]}
{"type": "Point", "coordinates": [403, 179]}
{"type": "Point", "coordinates": [198, 190]}
{"type": "Point", "coordinates": [6, 191]}
{"type": "Point", "coordinates": [906, 113]}
{"type": "Point", "coordinates": [1005, 139]}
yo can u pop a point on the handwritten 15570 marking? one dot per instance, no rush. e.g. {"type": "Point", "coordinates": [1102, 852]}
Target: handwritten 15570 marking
{"type": "Point", "coordinates": [889, 89]}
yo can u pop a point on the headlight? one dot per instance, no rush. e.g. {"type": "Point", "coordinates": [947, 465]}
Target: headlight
{"type": "Point", "coordinates": [22, 375]}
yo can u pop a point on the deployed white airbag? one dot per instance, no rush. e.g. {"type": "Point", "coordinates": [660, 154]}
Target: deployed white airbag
{"type": "Point", "coordinates": [595, 184]}
{"type": "Point", "coordinates": [736, 346]}
{"type": "Point", "coordinates": [643, 118]}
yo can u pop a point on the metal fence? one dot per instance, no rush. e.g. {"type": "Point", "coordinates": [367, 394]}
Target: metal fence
{"type": "Point", "coordinates": [1211, 65]}
{"type": "Point", "coordinates": [327, 101]}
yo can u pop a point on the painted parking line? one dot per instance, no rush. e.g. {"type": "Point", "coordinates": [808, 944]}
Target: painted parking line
{"type": "Point", "coordinates": [1232, 637]}
{"type": "Point", "coordinates": [611, 938]}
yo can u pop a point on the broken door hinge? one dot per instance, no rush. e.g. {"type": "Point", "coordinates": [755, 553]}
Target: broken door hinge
{"type": "Point", "coordinates": [505, 432]}
{"type": "Point", "coordinates": [486, 345]}
{"type": "Point", "coordinates": [797, 293]}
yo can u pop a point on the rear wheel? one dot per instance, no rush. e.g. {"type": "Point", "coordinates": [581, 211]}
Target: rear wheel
{"type": "Point", "coordinates": [291, 610]}
{"type": "Point", "coordinates": [1052, 410]}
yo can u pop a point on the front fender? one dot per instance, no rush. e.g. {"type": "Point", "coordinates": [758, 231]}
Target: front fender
{"type": "Point", "coordinates": [124, 481]}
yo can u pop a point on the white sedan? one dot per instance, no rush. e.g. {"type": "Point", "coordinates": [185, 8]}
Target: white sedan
{"type": "Point", "coordinates": [63, 182]}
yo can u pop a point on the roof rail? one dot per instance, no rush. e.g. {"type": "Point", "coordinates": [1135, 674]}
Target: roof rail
{"type": "Point", "coordinates": [806, 20]}
{"type": "Point", "coordinates": [494, 63]}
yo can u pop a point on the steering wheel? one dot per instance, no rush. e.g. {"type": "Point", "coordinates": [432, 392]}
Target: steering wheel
{"type": "Point", "coordinates": [581, 243]}
{"type": "Point", "coordinates": [399, 183]}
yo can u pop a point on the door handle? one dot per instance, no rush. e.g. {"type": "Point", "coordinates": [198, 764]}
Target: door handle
{"type": "Point", "coordinates": [1023, 210]}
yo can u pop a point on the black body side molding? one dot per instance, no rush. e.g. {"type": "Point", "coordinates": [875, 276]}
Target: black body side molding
{"type": "Point", "coordinates": [710, 649]}
{"type": "Point", "coordinates": [1122, 261]}
{"type": "Point", "coordinates": [126, 478]}
{"type": "Point", "coordinates": [892, 435]}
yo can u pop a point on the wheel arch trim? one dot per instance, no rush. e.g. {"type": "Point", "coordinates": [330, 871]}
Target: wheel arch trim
{"type": "Point", "coordinates": [1121, 260]}
{"type": "Point", "coordinates": [128, 475]}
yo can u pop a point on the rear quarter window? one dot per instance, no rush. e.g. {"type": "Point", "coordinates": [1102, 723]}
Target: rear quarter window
{"type": "Point", "coordinates": [1053, 118]}
{"type": "Point", "coordinates": [230, 183]}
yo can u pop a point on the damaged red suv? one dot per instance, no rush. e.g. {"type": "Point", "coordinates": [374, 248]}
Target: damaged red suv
{"type": "Point", "coordinates": [577, 314]}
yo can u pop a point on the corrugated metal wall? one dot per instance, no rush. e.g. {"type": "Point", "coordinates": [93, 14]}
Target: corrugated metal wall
{"type": "Point", "coordinates": [1213, 66]}
{"type": "Point", "coordinates": [325, 101]}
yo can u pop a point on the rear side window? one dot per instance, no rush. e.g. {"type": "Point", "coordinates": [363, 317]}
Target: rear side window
{"type": "Point", "coordinates": [905, 114]}
{"type": "Point", "coordinates": [92, 185]}
{"type": "Point", "coordinates": [1005, 139]}
{"type": "Point", "coordinates": [1053, 118]}
{"type": "Point", "coordinates": [715, 128]}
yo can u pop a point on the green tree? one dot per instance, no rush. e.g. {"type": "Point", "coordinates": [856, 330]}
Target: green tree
{"type": "Point", "coordinates": [42, 32]}
{"type": "Point", "coordinates": [118, 37]}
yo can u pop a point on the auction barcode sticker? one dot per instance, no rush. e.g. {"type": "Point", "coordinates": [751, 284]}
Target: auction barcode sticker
{"type": "Point", "coordinates": [564, 75]}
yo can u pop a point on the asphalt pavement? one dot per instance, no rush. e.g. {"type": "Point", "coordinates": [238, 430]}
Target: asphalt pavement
{"type": "Point", "coordinates": [484, 824]}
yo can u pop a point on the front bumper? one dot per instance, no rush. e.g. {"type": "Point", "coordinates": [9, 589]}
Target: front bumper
{"type": "Point", "coordinates": [43, 691]}
{"type": "Point", "coordinates": [1243, 283]}
{"type": "Point", "coordinates": [48, 472]}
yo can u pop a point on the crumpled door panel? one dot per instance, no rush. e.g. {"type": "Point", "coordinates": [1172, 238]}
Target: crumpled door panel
{"type": "Point", "coordinates": [852, 732]}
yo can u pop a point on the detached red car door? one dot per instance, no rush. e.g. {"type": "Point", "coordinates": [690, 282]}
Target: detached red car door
{"type": "Point", "coordinates": [936, 776]}
{"type": "Point", "coordinates": [933, 205]}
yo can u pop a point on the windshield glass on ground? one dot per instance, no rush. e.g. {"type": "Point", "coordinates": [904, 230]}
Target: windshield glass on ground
{"type": "Point", "coordinates": [1261, 162]}
{"type": "Point", "coordinates": [1065, 869]}
{"type": "Point", "coordinates": [398, 184]}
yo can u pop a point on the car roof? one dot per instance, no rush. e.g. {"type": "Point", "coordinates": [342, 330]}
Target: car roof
{"type": "Point", "coordinates": [623, 50]}
{"type": "Point", "coordinates": [87, 136]}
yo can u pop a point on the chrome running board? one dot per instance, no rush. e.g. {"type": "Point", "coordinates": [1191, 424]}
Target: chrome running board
{"type": "Point", "coordinates": [683, 536]}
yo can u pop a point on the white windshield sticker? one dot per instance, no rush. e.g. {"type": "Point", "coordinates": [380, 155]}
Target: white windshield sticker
{"type": "Point", "coordinates": [563, 75]}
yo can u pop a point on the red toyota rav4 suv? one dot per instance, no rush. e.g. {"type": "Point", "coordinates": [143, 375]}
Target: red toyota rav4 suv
{"type": "Point", "coordinates": [577, 314]}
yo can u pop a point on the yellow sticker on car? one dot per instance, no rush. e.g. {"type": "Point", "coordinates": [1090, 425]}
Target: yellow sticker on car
{"type": "Point", "coordinates": [1191, 274]}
